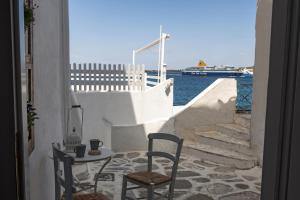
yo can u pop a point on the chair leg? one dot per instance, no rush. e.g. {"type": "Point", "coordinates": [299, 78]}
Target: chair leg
{"type": "Point", "coordinates": [171, 191]}
{"type": "Point", "coordinates": [150, 192]}
{"type": "Point", "coordinates": [124, 188]}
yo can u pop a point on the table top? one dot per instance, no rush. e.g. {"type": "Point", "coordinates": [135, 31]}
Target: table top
{"type": "Point", "coordinates": [105, 153]}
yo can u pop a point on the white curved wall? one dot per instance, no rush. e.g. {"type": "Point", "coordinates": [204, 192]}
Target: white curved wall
{"type": "Point", "coordinates": [105, 109]}
{"type": "Point", "coordinates": [216, 104]}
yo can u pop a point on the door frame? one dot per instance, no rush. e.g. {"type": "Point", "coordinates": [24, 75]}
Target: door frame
{"type": "Point", "coordinates": [283, 88]}
{"type": "Point", "coordinates": [281, 134]}
{"type": "Point", "coordinates": [13, 101]}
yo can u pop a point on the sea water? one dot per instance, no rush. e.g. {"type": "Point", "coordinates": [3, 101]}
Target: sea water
{"type": "Point", "coordinates": [186, 87]}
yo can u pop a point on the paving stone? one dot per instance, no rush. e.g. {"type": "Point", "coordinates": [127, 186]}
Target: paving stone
{"type": "Point", "coordinates": [145, 167]}
{"type": "Point", "coordinates": [119, 155]}
{"type": "Point", "coordinates": [241, 186]}
{"type": "Point", "coordinates": [140, 160]}
{"type": "Point", "coordinates": [202, 180]}
{"type": "Point", "coordinates": [178, 194]}
{"type": "Point", "coordinates": [192, 166]}
{"type": "Point", "coordinates": [187, 174]}
{"type": "Point", "coordinates": [247, 195]}
{"type": "Point", "coordinates": [170, 167]}
{"type": "Point", "coordinates": [163, 161]}
{"type": "Point", "coordinates": [258, 183]}
{"type": "Point", "coordinates": [234, 180]}
{"type": "Point", "coordinates": [258, 188]}
{"type": "Point", "coordinates": [222, 176]}
{"type": "Point", "coordinates": [118, 161]}
{"type": "Point", "coordinates": [219, 188]}
{"type": "Point", "coordinates": [133, 155]}
{"type": "Point", "coordinates": [224, 169]}
{"type": "Point", "coordinates": [250, 178]}
{"type": "Point", "coordinates": [183, 184]}
{"type": "Point", "coordinates": [199, 197]}
{"type": "Point", "coordinates": [205, 164]}
{"type": "Point", "coordinates": [116, 169]}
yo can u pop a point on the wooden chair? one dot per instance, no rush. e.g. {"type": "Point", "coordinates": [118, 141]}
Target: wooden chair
{"type": "Point", "coordinates": [64, 178]}
{"type": "Point", "coordinates": [152, 180]}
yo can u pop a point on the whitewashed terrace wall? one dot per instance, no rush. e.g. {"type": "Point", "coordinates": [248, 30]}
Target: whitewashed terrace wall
{"type": "Point", "coordinates": [107, 77]}
{"type": "Point", "coordinates": [216, 104]}
{"type": "Point", "coordinates": [102, 110]}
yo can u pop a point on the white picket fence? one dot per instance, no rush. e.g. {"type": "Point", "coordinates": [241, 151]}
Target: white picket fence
{"type": "Point", "coordinates": [107, 77]}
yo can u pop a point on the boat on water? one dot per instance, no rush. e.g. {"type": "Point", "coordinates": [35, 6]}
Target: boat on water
{"type": "Point", "coordinates": [226, 71]}
{"type": "Point", "coordinates": [215, 73]}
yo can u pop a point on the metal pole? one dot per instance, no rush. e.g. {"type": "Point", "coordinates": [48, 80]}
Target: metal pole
{"type": "Point", "coordinates": [159, 55]}
{"type": "Point", "coordinates": [162, 59]}
{"type": "Point", "coordinates": [133, 57]}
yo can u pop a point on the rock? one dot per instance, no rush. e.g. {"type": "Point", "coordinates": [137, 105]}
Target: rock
{"type": "Point", "coordinates": [183, 184]}
{"type": "Point", "coordinates": [202, 180]}
{"type": "Point", "coordinates": [241, 186]}
{"type": "Point", "coordinates": [199, 197]}
{"type": "Point", "coordinates": [133, 155]}
{"type": "Point", "coordinates": [222, 176]}
{"type": "Point", "coordinates": [219, 188]}
{"type": "Point", "coordinates": [247, 195]}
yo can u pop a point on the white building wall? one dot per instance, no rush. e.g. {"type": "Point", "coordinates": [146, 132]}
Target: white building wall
{"type": "Point", "coordinates": [261, 72]}
{"type": "Point", "coordinates": [49, 94]}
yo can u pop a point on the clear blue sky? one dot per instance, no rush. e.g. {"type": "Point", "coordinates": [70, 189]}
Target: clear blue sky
{"type": "Point", "coordinates": [221, 32]}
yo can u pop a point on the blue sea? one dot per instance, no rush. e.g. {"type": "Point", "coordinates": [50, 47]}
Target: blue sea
{"type": "Point", "coordinates": [186, 87]}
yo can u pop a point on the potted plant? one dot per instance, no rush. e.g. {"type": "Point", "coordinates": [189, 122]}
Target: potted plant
{"type": "Point", "coordinates": [31, 117]}
{"type": "Point", "coordinates": [29, 14]}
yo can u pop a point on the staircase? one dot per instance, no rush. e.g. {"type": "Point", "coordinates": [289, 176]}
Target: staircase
{"type": "Point", "coordinates": [226, 144]}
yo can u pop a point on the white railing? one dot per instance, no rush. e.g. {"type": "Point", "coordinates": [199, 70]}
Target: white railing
{"type": "Point", "coordinates": [107, 77]}
{"type": "Point", "coordinates": [152, 80]}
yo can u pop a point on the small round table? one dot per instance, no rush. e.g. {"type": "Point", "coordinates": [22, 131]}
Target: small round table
{"type": "Point", "coordinates": [106, 154]}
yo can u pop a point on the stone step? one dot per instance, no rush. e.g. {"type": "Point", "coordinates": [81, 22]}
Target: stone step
{"type": "Point", "coordinates": [243, 120]}
{"type": "Point", "coordinates": [234, 130]}
{"type": "Point", "coordinates": [217, 139]}
{"type": "Point", "coordinates": [220, 156]}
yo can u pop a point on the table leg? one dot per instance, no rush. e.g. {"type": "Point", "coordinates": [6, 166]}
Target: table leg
{"type": "Point", "coordinates": [101, 169]}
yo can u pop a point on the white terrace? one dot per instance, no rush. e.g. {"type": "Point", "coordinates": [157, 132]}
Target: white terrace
{"type": "Point", "coordinates": [122, 106]}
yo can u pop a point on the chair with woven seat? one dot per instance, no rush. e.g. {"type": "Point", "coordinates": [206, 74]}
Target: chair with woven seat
{"type": "Point", "coordinates": [64, 178]}
{"type": "Point", "coordinates": [153, 180]}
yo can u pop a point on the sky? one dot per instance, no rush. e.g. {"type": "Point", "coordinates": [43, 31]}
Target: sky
{"type": "Point", "coordinates": [220, 32]}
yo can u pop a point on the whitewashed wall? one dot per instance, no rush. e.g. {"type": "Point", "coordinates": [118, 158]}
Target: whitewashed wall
{"type": "Point", "coordinates": [261, 73]}
{"type": "Point", "coordinates": [105, 109]}
{"type": "Point", "coordinates": [216, 104]}
{"type": "Point", "coordinates": [49, 93]}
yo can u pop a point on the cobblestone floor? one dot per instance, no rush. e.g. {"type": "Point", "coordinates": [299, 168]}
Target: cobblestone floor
{"type": "Point", "coordinates": [196, 179]}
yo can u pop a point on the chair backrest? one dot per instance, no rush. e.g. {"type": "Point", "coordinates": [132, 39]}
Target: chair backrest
{"type": "Point", "coordinates": [175, 158]}
{"type": "Point", "coordinates": [63, 178]}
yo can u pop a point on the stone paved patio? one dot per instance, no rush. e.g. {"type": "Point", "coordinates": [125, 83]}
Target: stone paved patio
{"type": "Point", "coordinates": [196, 179]}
